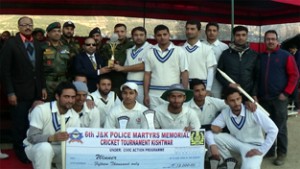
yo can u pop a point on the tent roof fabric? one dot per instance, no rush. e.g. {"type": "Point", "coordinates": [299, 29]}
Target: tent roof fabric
{"type": "Point", "coordinates": [250, 12]}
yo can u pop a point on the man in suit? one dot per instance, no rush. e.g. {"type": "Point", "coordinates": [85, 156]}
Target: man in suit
{"type": "Point", "coordinates": [22, 68]}
{"type": "Point", "coordinates": [90, 64]}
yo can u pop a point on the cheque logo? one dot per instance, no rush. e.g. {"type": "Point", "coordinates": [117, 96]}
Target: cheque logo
{"type": "Point", "coordinates": [197, 138]}
{"type": "Point", "coordinates": [76, 136]}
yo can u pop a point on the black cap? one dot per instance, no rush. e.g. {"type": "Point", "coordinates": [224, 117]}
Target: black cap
{"type": "Point", "coordinates": [95, 30]}
{"type": "Point", "coordinates": [69, 23]}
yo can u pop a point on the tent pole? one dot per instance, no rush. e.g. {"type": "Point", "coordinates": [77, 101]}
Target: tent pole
{"type": "Point", "coordinates": [144, 19]}
{"type": "Point", "coordinates": [232, 18]}
{"type": "Point", "coordinates": [259, 48]}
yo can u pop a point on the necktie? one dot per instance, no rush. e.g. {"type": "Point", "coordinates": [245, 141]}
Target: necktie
{"type": "Point", "coordinates": [29, 48]}
{"type": "Point", "coordinates": [93, 62]}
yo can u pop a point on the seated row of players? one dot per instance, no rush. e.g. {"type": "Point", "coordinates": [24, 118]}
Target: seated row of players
{"type": "Point", "coordinates": [246, 128]}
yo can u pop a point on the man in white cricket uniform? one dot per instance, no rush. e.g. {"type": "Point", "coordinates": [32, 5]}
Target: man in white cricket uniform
{"type": "Point", "coordinates": [104, 98]}
{"type": "Point", "coordinates": [134, 64]}
{"type": "Point", "coordinates": [212, 32]}
{"type": "Point", "coordinates": [201, 58]}
{"type": "Point", "coordinates": [128, 114]}
{"type": "Point", "coordinates": [246, 132]}
{"type": "Point", "coordinates": [165, 64]}
{"type": "Point", "coordinates": [43, 142]}
{"type": "Point", "coordinates": [89, 118]}
{"type": "Point", "coordinates": [175, 115]}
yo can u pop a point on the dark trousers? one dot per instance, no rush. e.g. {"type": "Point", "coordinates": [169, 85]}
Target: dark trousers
{"type": "Point", "coordinates": [20, 124]}
{"type": "Point", "coordinates": [294, 98]}
{"type": "Point", "coordinates": [278, 113]}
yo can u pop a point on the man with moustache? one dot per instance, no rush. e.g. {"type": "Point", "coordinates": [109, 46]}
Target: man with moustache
{"type": "Point", "coordinates": [251, 134]}
{"type": "Point", "coordinates": [165, 64]}
{"type": "Point", "coordinates": [201, 58]}
{"type": "Point", "coordinates": [175, 115]}
{"type": "Point", "coordinates": [134, 64]}
{"type": "Point", "coordinates": [22, 76]}
{"type": "Point", "coordinates": [56, 59]}
{"type": "Point", "coordinates": [278, 78]}
{"type": "Point", "coordinates": [212, 32]}
{"type": "Point", "coordinates": [90, 64]}
{"type": "Point", "coordinates": [44, 136]}
{"type": "Point", "coordinates": [96, 35]}
{"type": "Point", "coordinates": [104, 97]}
{"type": "Point", "coordinates": [118, 78]}
{"type": "Point", "coordinates": [68, 39]}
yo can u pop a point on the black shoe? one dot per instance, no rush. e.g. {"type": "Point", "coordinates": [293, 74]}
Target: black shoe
{"type": "Point", "coordinates": [280, 159]}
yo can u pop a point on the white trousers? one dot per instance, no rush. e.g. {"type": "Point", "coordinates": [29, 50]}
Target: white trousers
{"type": "Point", "coordinates": [140, 97]}
{"type": "Point", "coordinates": [43, 155]}
{"type": "Point", "coordinates": [227, 143]}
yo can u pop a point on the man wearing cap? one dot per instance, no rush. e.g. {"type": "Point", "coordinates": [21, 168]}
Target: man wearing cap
{"type": "Point", "coordinates": [96, 34]}
{"type": "Point", "coordinates": [175, 115]}
{"type": "Point", "coordinates": [22, 76]}
{"type": "Point", "coordinates": [134, 64]}
{"type": "Point", "coordinates": [39, 34]}
{"type": "Point", "coordinates": [129, 114]}
{"type": "Point", "coordinates": [90, 64]}
{"type": "Point", "coordinates": [56, 59]}
{"type": "Point", "coordinates": [68, 39]}
{"type": "Point", "coordinates": [118, 78]}
{"type": "Point", "coordinates": [89, 118]}
{"type": "Point", "coordinates": [104, 98]}
{"type": "Point", "coordinates": [44, 136]}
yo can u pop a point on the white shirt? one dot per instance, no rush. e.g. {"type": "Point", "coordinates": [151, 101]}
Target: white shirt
{"type": "Point", "coordinates": [248, 127]}
{"type": "Point", "coordinates": [218, 48]}
{"type": "Point", "coordinates": [46, 117]}
{"type": "Point", "coordinates": [137, 120]}
{"type": "Point", "coordinates": [165, 120]}
{"type": "Point", "coordinates": [136, 56]}
{"type": "Point", "coordinates": [165, 67]}
{"type": "Point", "coordinates": [207, 113]}
{"type": "Point", "coordinates": [200, 58]}
{"type": "Point", "coordinates": [104, 108]}
{"type": "Point", "coordinates": [89, 118]}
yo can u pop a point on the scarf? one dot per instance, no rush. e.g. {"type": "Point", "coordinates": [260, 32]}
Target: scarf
{"type": "Point", "coordinates": [239, 48]}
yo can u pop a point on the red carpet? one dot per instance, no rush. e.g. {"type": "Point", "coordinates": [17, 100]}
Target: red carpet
{"type": "Point", "coordinates": [12, 162]}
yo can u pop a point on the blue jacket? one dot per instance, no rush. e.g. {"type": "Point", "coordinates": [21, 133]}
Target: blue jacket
{"type": "Point", "coordinates": [278, 74]}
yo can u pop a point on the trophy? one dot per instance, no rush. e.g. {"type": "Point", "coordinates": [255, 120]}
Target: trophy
{"type": "Point", "coordinates": [149, 114]}
{"type": "Point", "coordinates": [123, 120]}
{"type": "Point", "coordinates": [113, 43]}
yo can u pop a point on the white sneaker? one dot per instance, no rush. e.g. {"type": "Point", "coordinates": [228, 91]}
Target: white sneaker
{"type": "Point", "coordinates": [231, 163]}
{"type": "Point", "coordinates": [3, 156]}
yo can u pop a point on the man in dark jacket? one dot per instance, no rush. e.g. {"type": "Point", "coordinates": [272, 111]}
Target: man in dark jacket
{"type": "Point", "coordinates": [240, 63]}
{"type": "Point", "coordinates": [22, 72]}
{"type": "Point", "coordinates": [278, 78]}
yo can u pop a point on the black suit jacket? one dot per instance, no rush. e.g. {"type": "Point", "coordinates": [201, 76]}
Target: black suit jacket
{"type": "Point", "coordinates": [83, 65]}
{"type": "Point", "coordinates": [19, 76]}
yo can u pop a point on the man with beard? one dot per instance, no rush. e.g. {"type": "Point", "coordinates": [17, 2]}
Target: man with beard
{"type": "Point", "coordinates": [96, 35]}
{"type": "Point", "coordinates": [90, 64]}
{"type": "Point", "coordinates": [201, 58]}
{"type": "Point", "coordinates": [44, 134]}
{"type": "Point", "coordinates": [89, 118]}
{"type": "Point", "coordinates": [212, 32]}
{"type": "Point", "coordinates": [165, 64]}
{"type": "Point", "coordinates": [175, 115]}
{"type": "Point", "coordinates": [22, 72]}
{"type": "Point", "coordinates": [247, 132]}
{"type": "Point", "coordinates": [134, 64]}
{"type": "Point", "coordinates": [240, 63]}
{"type": "Point", "coordinates": [128, 114]}
{"type": "Point", "coordinates": [118, 78]}
{"type": "Point", "coordinates": [104, 98]}
{"type": "Point", "coordinates": [68, 39]}
{"type": "Point", "coordinates": [278, 78]}
{"type": "Point", "coordinates": [56, 59]}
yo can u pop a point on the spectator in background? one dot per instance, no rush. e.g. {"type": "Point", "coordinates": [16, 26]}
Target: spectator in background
{"type": "Point", "coordinates": [278, 78]}
{"type": "Point", "coordinates": [39, 34]}
{"type": "Point", "coordinates": [212, 32]}
{"type": "Point", "coordinates": [294, 97]}
{"type": "Point", "coordinates": [4, 37]}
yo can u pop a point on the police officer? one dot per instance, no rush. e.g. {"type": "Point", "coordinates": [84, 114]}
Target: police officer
{"type": "Point", "coordinates": [56, 59]}
{"type": "Point", "coordinates": [96, 35]}
{"type": "Point", "coordinates": [68, 39]}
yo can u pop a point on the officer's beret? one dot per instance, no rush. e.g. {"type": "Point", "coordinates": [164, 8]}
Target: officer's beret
{"type": "Point", "coordinates": [69, 23]}
{"type": "Point", "coordinates": [36, 30]}
{"type": "Point", "coordinates": [95, 30]}
{"type": "Point", "coordinates": [53, 26]}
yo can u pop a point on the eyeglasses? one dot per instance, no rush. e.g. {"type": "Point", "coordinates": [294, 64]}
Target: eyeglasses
{"type": "Point", "coordinates": [26, 25]}
{"type": "Point", "coordinates": [90, 44]}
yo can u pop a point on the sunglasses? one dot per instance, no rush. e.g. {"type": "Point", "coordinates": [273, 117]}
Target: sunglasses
{"type": "Point", "coordinates": [90, 44]}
